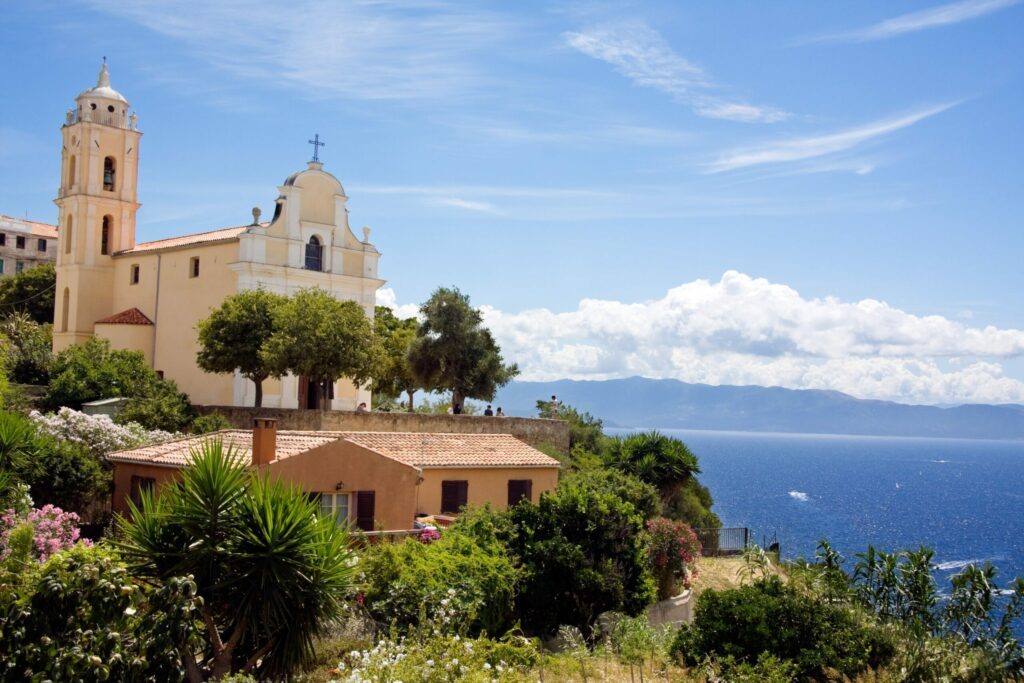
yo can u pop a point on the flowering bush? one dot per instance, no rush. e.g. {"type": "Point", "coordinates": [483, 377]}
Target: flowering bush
{"type": "Point", "coordinates": [429, 536]}
{"type": "Point", "coordinates": [98, 433]}
{"type": "Point", "coordinates": [674, 549]}
{"type": "Point", "coordinates": [45, 531]}
{"type": "Point", "coordinates": [432, 654]}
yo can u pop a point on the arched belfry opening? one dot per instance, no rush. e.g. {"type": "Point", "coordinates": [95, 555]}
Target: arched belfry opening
{"type": "Point", "coordinates": [109, 174]}
{"type": "Point", "coordinates": [314, 254]}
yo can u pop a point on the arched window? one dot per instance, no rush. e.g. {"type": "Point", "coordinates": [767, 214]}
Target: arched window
{"type": "Point", "coordinates": [314, 254]}
{"type": "Point", "coordinates": [108, 226]}
{"type": "Point", "coordinates": [109, 173]}
{"type": "Point", "coordinates": [72, 166]}
{"type": "Point", "coordinates": [67, 237]}
{"type": "Point", "coordinates": [65, 305]}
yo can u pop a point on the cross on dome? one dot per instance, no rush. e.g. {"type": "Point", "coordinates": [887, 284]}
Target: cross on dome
{"type": "Point", "coordinates": [316, 147]}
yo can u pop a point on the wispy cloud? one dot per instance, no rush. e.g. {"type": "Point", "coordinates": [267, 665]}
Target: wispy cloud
{"type": "Point", "coordinates": [639, 53]}
{"type": "Point", "coordinates": [934, 17]}
{"type": "Point", "coordinates": [468, 205]}
{"type": "Point", "coordinates": [363, 50]}
{"type": "Point", "coordinates": [800, 149]}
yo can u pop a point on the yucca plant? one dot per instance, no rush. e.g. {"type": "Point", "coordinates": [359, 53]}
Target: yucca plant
{"type": "Point", "coordinates": [271, 571]}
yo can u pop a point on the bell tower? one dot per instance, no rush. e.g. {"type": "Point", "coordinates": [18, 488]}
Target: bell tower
{"type": "Point", "coordinates": [97, 201]}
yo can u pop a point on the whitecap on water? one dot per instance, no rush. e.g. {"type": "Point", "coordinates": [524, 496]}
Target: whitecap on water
{"type": "Point", "coordinates": [799, 495]}
{"type": "Point", "coordinates": [958, 564]}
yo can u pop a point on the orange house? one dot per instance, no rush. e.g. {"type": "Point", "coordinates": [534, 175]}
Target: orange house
{"type": "Point", "coordinates": [374, 480]}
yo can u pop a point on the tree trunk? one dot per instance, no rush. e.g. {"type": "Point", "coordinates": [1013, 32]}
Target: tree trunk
{"type": "Point", "coordinates": [259, 392]}
{"type": "Point", "coordinates": [410, 393]}
{"type": "Point", "coordinates": [458, 398]}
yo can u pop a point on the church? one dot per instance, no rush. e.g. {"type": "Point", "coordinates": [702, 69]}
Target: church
{"type": "Point", "coordinates": [148, 296]}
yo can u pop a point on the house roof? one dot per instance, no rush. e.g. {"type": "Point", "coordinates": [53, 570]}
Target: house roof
{"type": "Point", "coordinates": [221, 235]}
{"type": "Point", "coordinates": [420, 450]}
{"type": "Point", "coordinates": [132, 316]}
{"type": "Point", "coordinates": [34, 228]}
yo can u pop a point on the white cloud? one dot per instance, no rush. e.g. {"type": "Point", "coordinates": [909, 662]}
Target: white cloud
{"type": "Point", "coordinates": [366, 50]}
{"type": "Point", "coordinates": [744, 330]}
{"type": "Point", "coordinates": [386, 297]}
{"type": "Point", "coordinates": [934, 17]}
{"type": "Point", "coordinates": [469, 205]}
{"type": "Point", "coordinates": [801, 149]}
{"type": "Point", "coordinates": [639, 53]}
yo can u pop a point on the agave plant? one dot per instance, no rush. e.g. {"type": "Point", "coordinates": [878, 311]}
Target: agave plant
{"type": "Point", "coordinates": [272, 573]}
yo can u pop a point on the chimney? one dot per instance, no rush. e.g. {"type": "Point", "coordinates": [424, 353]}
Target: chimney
{"type": "Point", "coordinates": [264, 441]}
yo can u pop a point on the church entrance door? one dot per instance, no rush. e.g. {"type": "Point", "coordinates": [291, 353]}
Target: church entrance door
{"type": "Point", "coordinates": [310, 396]}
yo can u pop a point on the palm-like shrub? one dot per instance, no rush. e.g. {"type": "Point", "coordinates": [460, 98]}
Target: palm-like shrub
{"type": "Point", "coordinates": [662, 461]}
{"type": "Point", "coordinates": [272, 572]}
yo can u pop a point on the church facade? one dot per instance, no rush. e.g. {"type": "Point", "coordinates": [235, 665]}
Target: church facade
{"type": "Point", "coordinates": [148, 296]}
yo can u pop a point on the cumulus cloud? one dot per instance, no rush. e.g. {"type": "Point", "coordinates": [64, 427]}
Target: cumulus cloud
{"type": "Point", "coordinates": [386, 297]}
{"type": "Point", "coordinates": [745, 330]}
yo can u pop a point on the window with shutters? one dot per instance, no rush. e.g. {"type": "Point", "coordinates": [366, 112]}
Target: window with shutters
{"type": "Point", "coordinates": [519, 489]}
{"type": "Point", "coordinates": [454, 496]}
{"type": "Point", "coordinates": [365, 510]}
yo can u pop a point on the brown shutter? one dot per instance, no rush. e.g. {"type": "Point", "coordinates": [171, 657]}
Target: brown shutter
{"type": "Point", "coordinates": [518, 489]}
{"type": "Point", "coordinates": [454, 495]}
{"type": "Point", "coordinates": [303, 392]}
{"type": "Point", "coordinates": [365, 508]}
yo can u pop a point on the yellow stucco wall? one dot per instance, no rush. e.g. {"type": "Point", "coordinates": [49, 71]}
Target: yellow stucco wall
{"type": "Point", "coordinates": [486, 485]}
{"type": "Point", "coordinates": [357, 469]}
{"type": "Point", "coordinates": [129, 337]}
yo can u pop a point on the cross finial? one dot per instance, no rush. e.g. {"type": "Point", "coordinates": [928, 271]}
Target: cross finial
{"type": "Point", "coordinates": [316, 147]}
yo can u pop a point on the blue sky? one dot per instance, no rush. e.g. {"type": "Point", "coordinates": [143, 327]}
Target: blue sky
{"type": "Point", "coordinates": [807, 194]}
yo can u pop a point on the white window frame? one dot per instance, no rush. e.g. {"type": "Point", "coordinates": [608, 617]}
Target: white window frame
{"type": "Point", "coordinates": [337, 504]}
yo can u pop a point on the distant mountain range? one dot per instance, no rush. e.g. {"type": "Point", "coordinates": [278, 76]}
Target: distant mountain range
{"type": "Point", "coordinates": [670, 404]}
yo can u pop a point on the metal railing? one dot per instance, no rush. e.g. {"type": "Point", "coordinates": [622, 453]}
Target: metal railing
{"type": "Point", "coordinates": [723, 541]}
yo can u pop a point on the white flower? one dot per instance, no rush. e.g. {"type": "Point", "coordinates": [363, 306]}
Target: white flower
{"type": "Point", "coordinates": [487, 667]}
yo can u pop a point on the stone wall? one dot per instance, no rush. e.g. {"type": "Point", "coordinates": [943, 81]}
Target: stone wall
{"type": "Point", "coordinates": [534, 431]}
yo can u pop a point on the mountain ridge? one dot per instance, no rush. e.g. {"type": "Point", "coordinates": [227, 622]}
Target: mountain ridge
{"type": "Point", "coordinates": [672, 404]}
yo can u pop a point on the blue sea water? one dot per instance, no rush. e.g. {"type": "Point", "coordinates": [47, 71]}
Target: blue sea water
{"type": "Point", "coordinates": [964, 498]}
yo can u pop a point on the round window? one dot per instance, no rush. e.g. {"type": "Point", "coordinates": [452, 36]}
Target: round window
{"type": "Point", "coordinates": [110, 108]}
{"type": "Point", "coordinates": [92, 105]}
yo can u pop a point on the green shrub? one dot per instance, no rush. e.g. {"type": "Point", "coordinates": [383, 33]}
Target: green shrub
{"type": "Point", "coordinates": [770, 617]}
{"type": "Point", "coordinates": [65, 474]}
{"type": "Point", "coordinates": [80, 617]}
{"type": "Point", "coordinates": [583, 552]}
{"type": "Point", "coordinates": [213, 422]}
{"type": "Point", "coordinates": [405, 582]}
{"type": "Point", "coordinates": [90, 371]}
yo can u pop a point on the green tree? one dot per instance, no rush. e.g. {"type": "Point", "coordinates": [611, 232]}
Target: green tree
{"type": "Point", "coordinates": [454, 352]}
{"type": "Point", "coordinates": [394, 375]}
{"type": "Point", "coordinates": [31, 344]}
{"type": "Point", "coordinates": [272, 572]}
{"type": "Point", "coordinates": [163, 407]}
{"type": "Point", "coordinates": [233, 336]}
{"type": "Point", "coordinates": [30, 292]}
{"type": "Point", "coordinates": [90, 371]}
{"type": "Point", "coordinates": [586, 432]}
{"type": "Point", "coordinates": [319, 337]}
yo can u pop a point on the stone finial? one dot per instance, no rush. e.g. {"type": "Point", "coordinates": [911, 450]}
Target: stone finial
{"type": "Point", "coordinates": [70, 117]}
{"type": "Point", "coordinates": [256, 213]}
{"type": "Point", "coordinates": [104, 78]}
{"type": "Point", "coordinates": [133, 121]}
{"type": "Point", "coordinates": [366, 233]}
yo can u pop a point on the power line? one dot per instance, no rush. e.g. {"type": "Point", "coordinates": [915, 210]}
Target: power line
{"type": "Point", "coordinates": [37, 294]}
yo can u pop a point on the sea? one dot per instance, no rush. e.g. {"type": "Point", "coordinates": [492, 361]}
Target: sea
{"type": "Point", "coordinates": [962, 497]}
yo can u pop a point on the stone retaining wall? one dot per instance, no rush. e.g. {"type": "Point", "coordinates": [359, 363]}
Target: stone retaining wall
{"type": "Point", "coordinates": [534, 431]}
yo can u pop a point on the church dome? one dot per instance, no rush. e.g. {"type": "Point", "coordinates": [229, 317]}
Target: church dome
{"type": "Point", "coordinates": [103, 89]}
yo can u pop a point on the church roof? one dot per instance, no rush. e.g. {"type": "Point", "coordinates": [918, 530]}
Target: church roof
{"type": "Point", "coordinates": [222, 235]}
{"type": "Point", "coordinates": [34, 227]}
{"type": "Point", "coordinates": [132, 316]}
{"type": "Point", "coordinates": [103, 88]}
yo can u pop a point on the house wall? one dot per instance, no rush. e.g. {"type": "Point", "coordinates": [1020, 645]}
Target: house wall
{"type": "Point", "coordinates": [534, 431]}
{"type": "Point", "coordinates": [321, 470]}
{"type": "Point", "coordinates": [485, 485]}
{"type": "Point", "coordinates": [129, 338]}
{"type": "Point", "coordinates": [123, 473]}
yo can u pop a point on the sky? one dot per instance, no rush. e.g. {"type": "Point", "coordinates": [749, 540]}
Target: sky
{"type": "Point", "coordinates": [800, 194]}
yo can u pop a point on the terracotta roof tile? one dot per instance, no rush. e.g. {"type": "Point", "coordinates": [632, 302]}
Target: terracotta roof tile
{"type": "Point", "coordinates": [35, 227]}
{"type": "Point", "coordinates": [132, 316]}
{"type": "Point", "coordinates": [453, 450]}
{"type": "Point", "coordinates": [222, 235]}
{"type": "Point", "coordinates": [415, 449]}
